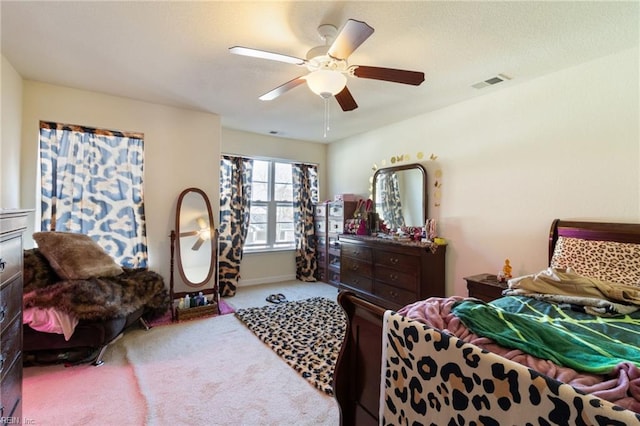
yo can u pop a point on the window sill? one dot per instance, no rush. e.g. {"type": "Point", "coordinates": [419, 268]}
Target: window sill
{"type": "Point", "coordinates": [268, 250]}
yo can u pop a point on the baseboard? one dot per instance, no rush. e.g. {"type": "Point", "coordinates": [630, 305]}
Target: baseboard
{"type": "Point", "coordinates": [266, 280]}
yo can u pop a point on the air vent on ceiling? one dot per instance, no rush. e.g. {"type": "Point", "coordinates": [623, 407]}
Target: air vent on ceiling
{"type": "Point", "coordinates": [491, 81]}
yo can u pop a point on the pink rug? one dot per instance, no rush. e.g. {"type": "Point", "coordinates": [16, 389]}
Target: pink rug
{"type": "Point", "coordinates": [165, 319]}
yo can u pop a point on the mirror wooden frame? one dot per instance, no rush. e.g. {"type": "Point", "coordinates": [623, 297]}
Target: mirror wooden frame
{"type": "Point", "coordinates": [212, 274]}
{"type": "Point", "coordinates": [413, 166]}
{"type": "Point", "coordinates": [213, 241]}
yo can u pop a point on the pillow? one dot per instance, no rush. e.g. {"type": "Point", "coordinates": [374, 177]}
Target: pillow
{"type": "Point", "coordinates": [604, 260]}
{"type": "Point", "coordinates": [75, 256]}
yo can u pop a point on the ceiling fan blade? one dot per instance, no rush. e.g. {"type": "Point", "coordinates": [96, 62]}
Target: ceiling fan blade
{"type": "Point", "coordinates": [283, 88]}
{"type": "Point", "coordinates": [389, 74]}
{"type": "Point", "coordinates": [188, 234]}
{"type": "Point", "coordinates": [346, 101]}
{"type": "Point", "coordinates": [263, 54]}
{"type": "Point", "coordinates": [352, 35]}
{"type": "Point", "coordinates": [197, 244]}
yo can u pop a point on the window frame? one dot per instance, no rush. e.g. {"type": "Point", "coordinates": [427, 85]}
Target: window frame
{"type": "Point", "coordinates": [271, 206]}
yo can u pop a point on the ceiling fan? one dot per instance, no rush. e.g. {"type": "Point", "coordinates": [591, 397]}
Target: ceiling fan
{"type": "Point", "coordinates": [328, 66]}
{"type": "Point", "coordinates": [203, 234]}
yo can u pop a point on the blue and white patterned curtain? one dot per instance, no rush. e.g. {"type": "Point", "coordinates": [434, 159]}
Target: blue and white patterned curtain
{"type": "Point", "coordinates": [305, 194]}
{"type": "Point", "coordinates": [91, 183]}
{"type": "Point", "coordinates": [236, 175]}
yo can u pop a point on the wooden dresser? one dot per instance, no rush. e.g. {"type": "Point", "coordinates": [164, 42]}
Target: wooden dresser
{"type": "Point", "coordinates": [389, 273]}
{"type": "Point", "coordinates": [12, 225]}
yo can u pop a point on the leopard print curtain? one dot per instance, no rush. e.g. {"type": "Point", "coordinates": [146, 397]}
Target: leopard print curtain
{"type": "Point", "coordinates": [91, 183]}
{"type": "Point", "coordinates": [390, 204]}
{"type": "Point", "coordinates": [305, 194]}
{"type": "Point", "coordinates": [236, 174]}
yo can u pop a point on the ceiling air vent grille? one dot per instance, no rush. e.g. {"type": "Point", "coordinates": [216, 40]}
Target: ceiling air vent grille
{"type": "Point", "coordinates": [491, 81]}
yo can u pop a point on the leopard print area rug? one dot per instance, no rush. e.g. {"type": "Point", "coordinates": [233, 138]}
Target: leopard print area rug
{"type": "Point", "coordinates": [307, 334]}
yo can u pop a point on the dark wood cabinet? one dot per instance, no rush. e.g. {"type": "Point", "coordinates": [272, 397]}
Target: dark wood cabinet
{"type": "Point", "coordinates": [12, 225]}
{"type": "Point", "coordinates": [389, 273]}
{"type": "Point", "coordinates": [329, 218]}
{"type": "Point", "coordinates": [485, 287]}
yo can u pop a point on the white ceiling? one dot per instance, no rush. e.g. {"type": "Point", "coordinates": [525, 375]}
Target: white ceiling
{"type": "Point", "coordinates": [176, 53]}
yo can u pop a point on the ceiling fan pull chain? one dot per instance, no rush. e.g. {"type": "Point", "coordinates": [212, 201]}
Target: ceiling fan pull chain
{"type": "Point", "coordinates": [326, 116]}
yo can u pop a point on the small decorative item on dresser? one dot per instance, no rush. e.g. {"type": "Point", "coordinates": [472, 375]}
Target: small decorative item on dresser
{"type": "Point", "coordinates": [505, 274]}
{"type": "Point", "coordinates": [485, 287]}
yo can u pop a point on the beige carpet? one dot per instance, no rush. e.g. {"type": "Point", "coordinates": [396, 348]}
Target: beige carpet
{"type": "Point", "coordinates": [212, 371]}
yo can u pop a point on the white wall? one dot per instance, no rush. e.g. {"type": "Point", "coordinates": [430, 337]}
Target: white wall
{"type": "Point", "coordinates": [11, 113]}
{"type": "Point", "coordinates": [259, 268]}
{"type": "Point", "coordinates": [182, 149]}
{"type": "Point", "coordinates": [566, 145]}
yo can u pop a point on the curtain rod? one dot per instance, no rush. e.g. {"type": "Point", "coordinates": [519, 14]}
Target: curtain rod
{"type": "Point", "coordinates": [93, 130]}
{"type": "Point", "coordinates": [282, 160]}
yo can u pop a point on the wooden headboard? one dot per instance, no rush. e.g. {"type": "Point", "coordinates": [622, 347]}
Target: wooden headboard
{"type": "Point", "coordinates": [598, 231]}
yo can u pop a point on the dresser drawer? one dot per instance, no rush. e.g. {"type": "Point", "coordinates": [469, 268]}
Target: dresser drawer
{"type": "Point", "coordinates": [10, 397]}
{"type": "Point", "coordinates": [321, 210]}
{"type": "Point", "coordinates": [357, 267]}
{"type": "Point", "coordinates": [336, 209]}
{"type": "Point", "coordinates": [336, 225]}
{"type": "Point", "coordinates": [394, 294]}
{"type": "Point", "coordinates": [396, 278]}
{"type": "Point", "coordinates": [10, 302]}
{"type": "Point", "coordinates": [10, 350]}
{"type": "Point", "coordinates": [399, 261]}
{"type": "Point", "coordinates": [353, 250]}
{"type": "Point", "coordinates": [10, 258]}
{"type": "Point", "coordinates": [334, 277]}
{"type": "Point", "coordinates": [357, 281]}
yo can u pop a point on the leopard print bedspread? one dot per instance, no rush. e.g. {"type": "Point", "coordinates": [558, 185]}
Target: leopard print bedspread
{"type": "Point", "coordinates": [432, 378]}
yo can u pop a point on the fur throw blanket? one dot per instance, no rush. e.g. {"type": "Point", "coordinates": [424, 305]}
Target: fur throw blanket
{"type": "Point", "coordinates": [94, 298]}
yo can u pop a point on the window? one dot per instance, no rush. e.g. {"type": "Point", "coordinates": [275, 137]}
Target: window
{"type": "Point", "coordinates": [91, 183]}
{"type": "Point", "coordinates": [271, 215]}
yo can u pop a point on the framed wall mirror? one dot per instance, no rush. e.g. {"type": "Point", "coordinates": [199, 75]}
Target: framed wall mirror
{"type": "Point", "coordinates": [400, 195]}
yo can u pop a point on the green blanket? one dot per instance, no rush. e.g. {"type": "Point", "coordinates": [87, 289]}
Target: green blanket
{"type": "Point", "coordinates": [573, 339]}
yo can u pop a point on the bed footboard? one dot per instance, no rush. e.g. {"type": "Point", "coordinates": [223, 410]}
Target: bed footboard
{"type": "Point", "coordinates": [357, 373]}
{"type": "Point", "coordinates": [447, 381]}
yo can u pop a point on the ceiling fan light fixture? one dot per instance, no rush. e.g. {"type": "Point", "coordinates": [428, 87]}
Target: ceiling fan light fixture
{"type": "Point", "coordinates": [326, 83]}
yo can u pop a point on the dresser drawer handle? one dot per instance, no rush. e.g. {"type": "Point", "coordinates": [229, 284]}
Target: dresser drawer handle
{"type": "Point", "coordinates": [355, 267]}
{"type": "Point", "coordinates": [393, 294]}
{"type": "Point", "coordinates": [393, 277]}
{"type": "Point", "coordinates": [1, 363]}
{"type": "Point", "coordinates": [394, 260]}
{"type": "Point", "coordinates": [3, 313]}
{"type": "Point", "coordinates": [3, 264]}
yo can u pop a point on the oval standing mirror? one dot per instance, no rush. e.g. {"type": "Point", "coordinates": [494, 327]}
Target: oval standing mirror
{"type": "Point", "coordinates": [400, 195]}
{"type": "Point", "coordinates": [196, 242]}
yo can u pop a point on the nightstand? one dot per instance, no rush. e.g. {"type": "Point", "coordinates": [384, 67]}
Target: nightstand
{"type": "Point", "coordinates": [485, 287]}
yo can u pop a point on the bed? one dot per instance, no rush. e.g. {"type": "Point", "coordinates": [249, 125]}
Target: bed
{"type": "Point", "coordinates": [77, 300]}
{"type": "Point", "coordinates": [422, 365]}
